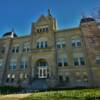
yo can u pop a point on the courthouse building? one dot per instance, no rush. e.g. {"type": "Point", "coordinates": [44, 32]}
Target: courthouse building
{"type": "Point", "coordinates": [49, 58]}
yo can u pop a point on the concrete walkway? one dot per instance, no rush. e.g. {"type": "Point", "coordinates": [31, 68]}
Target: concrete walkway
{"type": "Point", "coordinates": [14, 96]}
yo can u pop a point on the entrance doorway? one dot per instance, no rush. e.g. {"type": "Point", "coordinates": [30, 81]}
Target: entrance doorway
{"type": "Point", "coordinates": [42, 66]}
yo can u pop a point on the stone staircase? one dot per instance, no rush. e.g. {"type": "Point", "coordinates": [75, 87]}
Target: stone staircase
{"type": "Point", "coordinates": [39, 84]}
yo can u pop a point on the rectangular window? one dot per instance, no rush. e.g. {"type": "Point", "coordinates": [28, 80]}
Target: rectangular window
{"type": "Point", "coordinates": [17, 49]}
{"type": "Point", "coordinates": [61, 78]}
{"type": "Point", "coordinates": [37, 44]}
{"type": "Point", "coordinates": [65, 62]}
{"type": "Point", "coordinates": [46, 44]}
{"type": "Point", "coordinates": [42, 46]}
{"type": "Point", "coordinates": [63, 45]}
{"type": "Point", "coordinates": [73, 44]}
{"type": "Point", "coordinates": [76, 62]}
{"type": "Point", "coordinates": [3, 50]}
{"type": "Point", "coordinates": [60, 62]}
{"type": "Point", "coordinates": [67, 79]}
{"type": "Point", "coordinates": [13, 50]}
{"type": "Point", "coordinates": [98, 60]}
{"type": "Point", "coordinates": [78, 44]}
{"type": "Point", "coordinates": [13, 65]}
{"type": "Point", "coordinates": [23, 65]}
{"type": "Point", "coordinates": [82, 61]}
{"type": "Point", "coordinates": [58, 46]}
{"type": "Point", "coordinates": [38, 30]}
{"type": "Point", "coordinates": [47, 29]}
{"type": "Point", "coordinates": [1, 63]}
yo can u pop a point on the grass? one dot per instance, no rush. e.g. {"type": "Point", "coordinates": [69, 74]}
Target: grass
{"type": "Point", "coordinates": [81, 94]}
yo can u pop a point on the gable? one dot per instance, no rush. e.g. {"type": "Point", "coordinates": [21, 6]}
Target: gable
{"type": "Point", "coordinates": [42, 20]}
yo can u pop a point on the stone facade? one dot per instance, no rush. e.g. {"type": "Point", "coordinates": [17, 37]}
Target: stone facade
{"type": "Point", "coordinates": [52, 58]}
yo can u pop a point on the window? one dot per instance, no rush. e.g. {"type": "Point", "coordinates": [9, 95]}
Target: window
{"type": "Point", "coordinates": [25, 76]}
{"type": "Point", "coordinates": [79, 61]}
{"type": "Point", "coordinates": [42, 43]}
{"type": "Point", "coordinates": [85, 77]}
{"type": "Point", "coordinates": [67, 79]}
{"type": "Point", "coordinates": [38, 44]}
{"type": "Point", "coordinates": [97, 59]}
{"type": "Point", "coordinates": [13, 64]}
{"type": "Point", "coordinates": [26, 47]}
{"type": "Point", "coordinates": [1, 63]}
{"type": "Point", "coordinates": [76, 43]}
{"type": "Point", "coordinates": [62, 61]}
{"type": "Point", "coordinates": [61, 78]}
{"type": "Point", "coordinates": [76, 62]}
{"type": "Point", "coordinates": [23, 65]}
{"type": "Point", "coordinates": [3, 50]}
{"type": "Point", "coordinates": [42, 63]}
{"type": "Point", "coordinates": [59, 62]}
{"type": "Point", "coordinates": [12, 77]}
{"type": "Point", "coordinates": [8, 78]}
{"type": "Point", "coordinates": [15, 49]}
{"type": "Point", "coordinates": [42, 29]}
{"type": "Point", "coordinates": [98, 26]}
{"type": "Point", "coordinates": [46, 29]}
{"type": "Point", "coordinates": [60, 44]}
{"type": "Point", "coordinates": [21, 76]}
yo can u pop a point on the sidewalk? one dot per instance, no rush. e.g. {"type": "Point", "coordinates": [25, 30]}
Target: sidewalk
{"type": "Point", "coordinates": [13, 96]}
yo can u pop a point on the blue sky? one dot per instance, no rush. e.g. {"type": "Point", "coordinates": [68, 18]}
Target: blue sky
{"type": "Point", "coordinates": [19, 14]}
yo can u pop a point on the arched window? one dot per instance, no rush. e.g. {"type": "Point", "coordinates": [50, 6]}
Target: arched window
{"type": "Point", "coordinates": [42, 43]}
{"type": "Point", "coordinates": [42, 63]}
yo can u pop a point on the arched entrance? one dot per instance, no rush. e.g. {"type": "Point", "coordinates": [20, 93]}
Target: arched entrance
{"type": "Point", "coordinates": [42, 67]}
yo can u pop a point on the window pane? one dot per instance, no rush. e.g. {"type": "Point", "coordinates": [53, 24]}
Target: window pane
{"type": "Point", "coordinates": [63, 45]}
{"type": "Point", "coordinates": [79, 44]}
{"type": "Point", "coordinates": [42, 45]}
{"type": "Point", "coordinates": [61, 78]}
{"type": "Point", "coordinates": [60, 64]}
{"type": "Point", "coordinates": [46, 44]}
{"type": "Point", "coordinates": [47, 29]}
{"type": "Point", "coordinates": [67, 79]}
{"type": "Point", "coordinates": [82, 61]}
{"type": "Point", "coordinates": [73, 44]}
{"type": "Point", "coordinates": [98, 60]}
{"type": "Point", "coordinates": [76, 63]}
{"type": "Point", "coordinates": [37, 44]}
{"type": "Point", "coordinates": [58, 45]}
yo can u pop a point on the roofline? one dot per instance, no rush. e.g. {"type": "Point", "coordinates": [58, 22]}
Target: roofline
{"type": "Point", "coordinates": [69, 29]}
{"type": "Point", "coordinates": [4, 38]}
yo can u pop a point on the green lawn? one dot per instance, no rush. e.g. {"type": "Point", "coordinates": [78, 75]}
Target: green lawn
{"type": "Point", "coordinates": [83, 94]}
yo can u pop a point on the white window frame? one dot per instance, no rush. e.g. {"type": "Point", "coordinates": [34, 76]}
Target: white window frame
{"type": "Point", "coordinates": [75, 41]}
{"type": "Point", "coordinates": [1, 63]}
{"type": "Point", "coordinates": [13, 63]}
{"type": "Point", "coordinates": [42, 43]}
